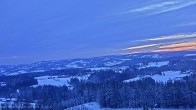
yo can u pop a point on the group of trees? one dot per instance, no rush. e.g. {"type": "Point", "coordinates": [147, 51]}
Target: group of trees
{"type": "Point", "coordinates": [108, 89]}
{"type": "Point", "coordinates": [145, 92]}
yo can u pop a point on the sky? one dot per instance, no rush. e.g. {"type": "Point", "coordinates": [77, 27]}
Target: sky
{"type": "Point", "coordinates": [36, 30]}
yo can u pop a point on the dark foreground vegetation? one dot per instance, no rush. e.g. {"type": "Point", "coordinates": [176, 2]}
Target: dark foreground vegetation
{"type": "Point", "coordinates": [109, 93]}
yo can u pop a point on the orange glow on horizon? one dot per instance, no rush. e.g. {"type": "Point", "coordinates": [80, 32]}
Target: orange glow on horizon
{"type": "Point", "coordinates": [162, 47]}
{"type": "Point", "coordinates": [178, 45]}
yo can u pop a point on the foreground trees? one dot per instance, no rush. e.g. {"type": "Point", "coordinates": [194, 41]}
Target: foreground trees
{"type": "Point", "coordinates": [144, 93]}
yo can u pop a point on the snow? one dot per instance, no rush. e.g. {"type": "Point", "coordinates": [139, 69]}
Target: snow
{"type": "Point", "coordinates": [124, 67]}
{"type": "Point", "coordinates": [98, 68]}
{"type": "Point", "coordinates": [3, 99]}
{"type": "Point", "coordinates": [72, 66]}
{"type": "Point", "coordinates": [22, 71]}
{"type": "Point", "coordinates": [38, 71]}
{"type": "Point", "coordinates": [12, 102]}
{"type": "Point", "coordinates": [190, 55]}
{"type": "Point", "coordinates": [59, 68]}
{"type": "Point", "coordinates": [52, 80]}
{"type": "Point", "coordinates": [13, 99]}
{"type": "Point", "coordinates": [3, 84]}
{"type": "Point", "coordinates": [89, 106]}
{"type": "Point", "coordinates": [126, 59]}
{"type": "Point", "coordinates": [166, 76]}
{"type": "Point", "coordinates": [15, 73]}
{"type": "Point", "coordinates": [57, 80]}
{"type": "Point", "coordinates": [96, 106]}
{"type": "Point", "coordinates": [151, 56]}
{"type": "Point", "coordinates": [113, 63]}
{"type": "Point", "coordinates": [142, 109]}
{"type": "Point", "coordinates": [75, 64]}
{"type": "Point", "coordinates": [153, 64]}
{"type": "Point", "coordinates": [33, 105]}
{"type": "Point", "coordinates": [134, 79]}
{"type": "Point", "coordinates": [2, 71]}
{"type": "Point", "coordinates": [12, 74]}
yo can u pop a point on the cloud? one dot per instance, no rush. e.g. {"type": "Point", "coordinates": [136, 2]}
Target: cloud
{"type": "Point", "coordinates": [162, 7]}
{"type": "Point", "coordinates": [165, 43]}
{"type": "Point", "coordinates": [170, 37]}
{"type": "Point", "coordinates": [140, 47]}
{"type": "Point", "coordinates": [177, 47]}
{"type": "Point", "coordinates": [154, 6]}
{"type": "Point", "coordinates": [162, 47]}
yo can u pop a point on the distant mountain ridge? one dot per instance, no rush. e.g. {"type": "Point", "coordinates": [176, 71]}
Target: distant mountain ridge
{"type": "Point", "coordinates": [140, 60]}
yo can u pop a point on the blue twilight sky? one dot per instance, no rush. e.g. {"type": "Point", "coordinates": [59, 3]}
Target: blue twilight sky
{"type": "Point", "coordinates": [35, 30]}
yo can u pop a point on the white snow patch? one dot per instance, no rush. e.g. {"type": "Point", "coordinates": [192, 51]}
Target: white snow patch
{"type": "Point", "coordinates": [38, 71]}
{"type": "Point", "coordinates": [72, 66]}
{"type": "Point", "coordinates": [12, 74]}
{"type": "Point", "coordinates": [113, 63]}
{"type": "Point", "coordinates": [33, 105]}
{"type": "Point", "coordinates": [126, 59]}
{"type": "Point", "coordinates": [124, 67]}
{"type": "Point", "coordinates": [89, 106]}
{"type": "Point", "coordinates": [151, 56]}
{"type": "Point", "coordinates": [57, 80]}
{"type": "Point", "coordinates": [75, 64]}
{"type": "Point", "coordinates": [134, 79]}
{"type": "Point", "coordinates": [98, 68]}
{"type": "Point", "coordinates": [59, 68]}
{"type": "Point", "coordinates": [22, 71]}
{"type": "Point", "coordinates": [166, 76]}
{"type": "Point", "coordinates": [3, 84]}
{"type": "Point", "coordinates": [142, 109]}
{"type": "Point", "coordinates": [153, 64]}
{"type": "Point", "coordinates": [2, 71]}
{"type": "Point", "coordinates": [96, 106]}
{"type": "Point", "coordinates": [187, 55]}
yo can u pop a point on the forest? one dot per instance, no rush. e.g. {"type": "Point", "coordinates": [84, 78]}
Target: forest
{"type": "Point", "coordinates": [109, 93]}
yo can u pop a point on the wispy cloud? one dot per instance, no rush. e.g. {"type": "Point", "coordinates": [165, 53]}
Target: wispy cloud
{"type": "Point", "coordinates": [170, 37]}
{"type": "Point", "coordinates": [154, 6]}
{"type": "Point", "coordinates": [162, 7]}
{"type": "Point", "coordinates": [177, 47]}
{"type": "Point", "coordinates": [140, 47]}
{"type": "Point", "coordinates": [165, 43]}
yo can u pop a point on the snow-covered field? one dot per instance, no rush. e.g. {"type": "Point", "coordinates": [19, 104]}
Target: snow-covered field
{"type": "Point", "coordinates": [153, 64]}
{"type": "Point", "coordinates": [113, 63]}
{"type": "Point", "coordinates": [96, 106]}
{"type": "Point", "coordinates": [142, 109]}
{"type": "Point", "coordinates": [57, 80]}
{"type": "Point", "coordinates": [75, 64]}
{"type": "Point", "coordinates": [187, 55]}
{"type": "Point", "coordinates": [89, 106]}
{"type": "Point", "coordinates": [166, 76]}
{"type": "Point", "coordinates": [99, 68]}
{"type": "Point", "coordinates": [151, 56]}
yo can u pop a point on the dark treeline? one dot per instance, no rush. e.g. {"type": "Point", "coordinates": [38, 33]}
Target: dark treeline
{"type": "Point", "coordinates": [112, 94]}
{"type": "Point", "coordinates": [145, 92]}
